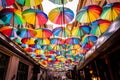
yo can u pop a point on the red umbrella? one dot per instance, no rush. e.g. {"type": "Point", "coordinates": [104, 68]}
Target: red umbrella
{"type": "Point", "coordinates": [9, 31]}
{"type": "Point", "coordinates": [29, 49]}
{"type": "Point", "coordinates": [46, 33]}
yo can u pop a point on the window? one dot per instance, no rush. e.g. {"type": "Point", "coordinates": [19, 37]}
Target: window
{"type": "Point", "coordinates": [22, 72]}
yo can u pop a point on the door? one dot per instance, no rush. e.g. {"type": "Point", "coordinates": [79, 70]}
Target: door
{"type": "Point", "coordinates": [4, 60]}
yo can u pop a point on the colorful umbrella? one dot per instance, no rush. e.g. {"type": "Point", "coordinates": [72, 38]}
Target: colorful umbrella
{"type": "Point", "coordinates": [86, 46]}
{"type": "Point", "coordinates": [44, 47]}
{"type": "Point", "coordinates": [89, 14]}
{"type": "Point", "coordinates": [51, 52]}
{"type": "Point", "coordinates": [42, 41]}
{"type": "Point", "coordinates": [26, 32]}
{"type": "Point", "coordinates": [11, 15]}
{"type": "Point", "coordinates": [56, 47]}
{"type": "Point", "coordinates": [46, 41]}
{"type": "Point", "coordinates": [35, 17]}
{"type": "Point", "coordinates": [29, 41]}
{"type": "Point", "coordinates": [89, 39]}
{"type": "Point", "coordinates": [17, 40]}
{"type": "Point", "coordinates": [24, 45]}
{"type": "Point", "coordinates": [46, 33]}
{"type": "Point", "coordinates": [38, 33]}
{"type": "Point", "coordinates": [39, 51]}
{"type": "Point", "coordinates": [36, 46]}
{"type": "Point", "coordinates": [29, 2]}
{"type": "Point", "coordinates": [111, 11]}
{"type": "Point", "coordinates": [80, 31]}
{"type": "Point", "coordinates": [5, 3]}
{"type": "Point", "coordinates": [43, 33]}
{"type": "Point", "coordinates": [57, 41]}
{"type": "Point", "coordinates": [77, 46]}
{"type": "Point", "coordinates": [61, 15]}
{"type": "Point", "coordinates": [60, 2]}
{"type": "Point", "coordinates": [29, 49]}
{"type": "Point", "coordinates": [61, 31]}
{"type": "Point", "coordinates": [99, 27]}
{"type": "Point", "coordinates": [72, 41]}
{"type": "Point", "coordinates": [38, 41]}
{"type": "Point", "coordinates": [9, 31]}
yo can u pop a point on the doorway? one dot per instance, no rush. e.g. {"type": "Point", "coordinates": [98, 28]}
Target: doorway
{"type": "Point", "coordinates": [4, 60]}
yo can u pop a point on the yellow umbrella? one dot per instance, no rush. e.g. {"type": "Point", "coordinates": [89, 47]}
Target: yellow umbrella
{"type": "Point", "coordinates": [35, 17]}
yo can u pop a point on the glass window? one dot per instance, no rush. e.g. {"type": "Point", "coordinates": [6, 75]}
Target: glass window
{"type": "Point", "coordinates": [22, 72]}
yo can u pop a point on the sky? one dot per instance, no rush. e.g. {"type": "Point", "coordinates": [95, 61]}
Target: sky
{"type": "Point", "coordinates": [48, 6]}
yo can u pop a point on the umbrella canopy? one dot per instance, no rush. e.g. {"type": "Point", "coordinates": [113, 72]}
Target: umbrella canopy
{"type": "Point", "coordinates": [9, 31]}
{"type": "Point", "coordinates": [56, 47]}
{"type": "Point", "coordinates": [99, 27]}
{"type": "Point", "coordinates": [46, 33]}
{"type": "Point", "coordinates": [26, 32]}
{"type": "Point", "coordinates": [57, 41]}
{"type": "Point", "coordinates": [72, 41]}
{"type": "Point", "coordinates": [17, 40]}
{"type": "Point", "coordinates": [60, 2]}
{"type": "Point", "coordinates": [5, 3]}
{"type": "Point", "coordinates": [111, 11]}
{"type": "Point", "coordinates": [81, 31]}
{"type": "Point", "coordinates": [42, 41]}
{"type": "Point", "coordinates": [1, 22]}
{"type": "Point", "coordinates": [36, 46]}
{"type": "Point", "coordinates": [61, 31]}
{"type": "Point", "coordinates": [11, 15]}
{"type": "Point", "coordinates": [29, 49]}
{"type": "Point", "coordinates": [43, 33]}
{"type": "Point", "coordinates": [35, 17]}
{"type": "Point", "coordinates": [24, 45]}
{"type": "Point", "coordinates": [89, 14]}
{"type": "Point", "coordinates": [38, 33]}
{"type": "Point", "coordinates": [28, 41]}
{"type": "Point", "coordinates": [88, 41]}
{"type": "Point", "coordinates": [29, 2]}
{"type": "Point", "coordinates": [77, 47]}
{"type": "Point", "coordinates": [61, 15]}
